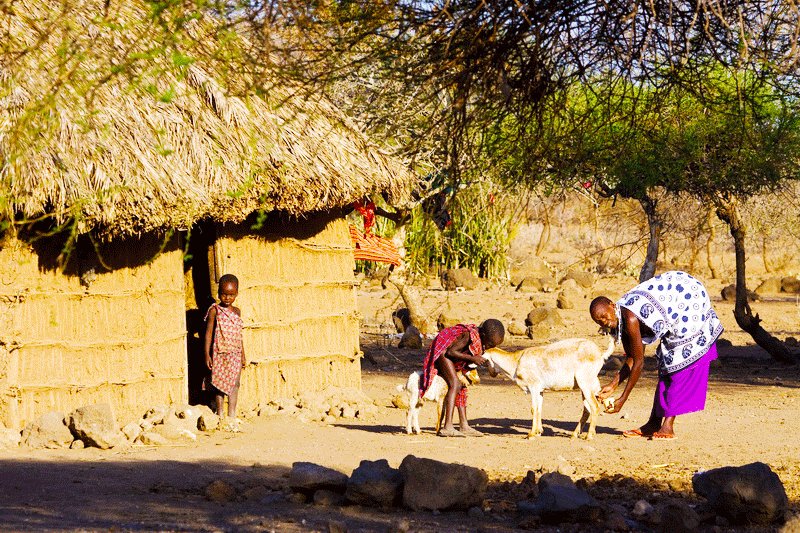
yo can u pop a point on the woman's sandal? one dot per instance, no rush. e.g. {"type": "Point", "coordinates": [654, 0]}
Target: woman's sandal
{"type": "Point", "coordinates": [450, 433]}
{"type": "Point", "coordinates": [635, 433]}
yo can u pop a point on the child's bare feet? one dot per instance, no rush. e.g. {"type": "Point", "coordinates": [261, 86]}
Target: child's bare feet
{"type": "Point", "coordinates": [450, 433]}
{"type": "Point", "coordinates": [471, 432]}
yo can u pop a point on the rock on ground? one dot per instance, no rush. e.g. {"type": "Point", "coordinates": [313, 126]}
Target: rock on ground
{"type": "Point", "coordinates": [459, 277]}
{"type": "Point", "coordinates": [569, 298]}
{"type": "Point", "coordinates": [151, 438]}
{"type": "Point", "coordinates": [375, 483]}
{"type": "Point", "coordinates": [529, 284]}
{"type": "Point", "coordinates": [677, 517]}
{"type": "Point", "coordinates": [535, 267]}
{"type": "Point", "coordinates": [411, 339]}
{"type": "Point", "coordinates": [559, 503]}
{"type": "Point", "coordinates": [448, 318]}
{"type": "Point", "coordinates": [769, 286]}
{"type": "Point", "coordinates": [96, 426]}
{"type": "Point", "coordinates": [47, 431]}
{"type": "Point", "coordinates": [132, 431]}
{"type": "Point", "coordinates": [790, 285]}
{"type": "Point", "coordinates": [545, 317]}
{"type": "Point", "coordinates": [309, 477]}
{"type": "Point", "coordinates": [583, 279]}
{"type": "Point", "coordinates": [434, 485]}
{"type": "Point", "coordinates": [327, 498]}
{"type": "Point", "coordinates": [9, 438]}
{"type": "Point", "coordinates": [515, 328]}
{"type": "Point", "coordinates": [220, 491]}
{"type": "Point", "coordinates": [729, 294]}
{"type": "Point", "coordinates": [749, 494]}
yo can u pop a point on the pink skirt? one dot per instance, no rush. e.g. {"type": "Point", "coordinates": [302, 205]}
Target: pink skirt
{"type": "Point", "coordinates": [685, 391]}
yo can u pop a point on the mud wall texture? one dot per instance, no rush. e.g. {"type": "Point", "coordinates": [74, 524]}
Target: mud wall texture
{"type": "Point", "coordinates": [298, 303]}
{"type": "Point", "coordinates": [107, 327]}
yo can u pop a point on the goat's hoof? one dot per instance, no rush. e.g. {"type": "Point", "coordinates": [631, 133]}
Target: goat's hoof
{"type": "Point", "coordinates": [531, 436]}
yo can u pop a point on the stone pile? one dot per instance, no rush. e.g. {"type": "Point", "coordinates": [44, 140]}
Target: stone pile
{"type": "Point", "coordinates": [329, 405]}
{"type": "Point", "coordinates": [96, 426]}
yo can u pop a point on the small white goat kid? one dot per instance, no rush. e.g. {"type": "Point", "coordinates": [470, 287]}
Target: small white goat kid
{"type": "Point", "coordinates": [435, 393]}
{"type": "Point", "coordinates": [562, 365]}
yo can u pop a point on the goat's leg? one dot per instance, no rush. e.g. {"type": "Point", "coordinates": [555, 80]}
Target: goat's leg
{"type": "Point", "coordinates": [409, 419]}
{"type": "Point", "coordinates": [584, 418]}
{"type": "Point", "coordinates": [540, 401]}
{"type": "Point", "coordinates": [536, 414]}
{"type": "Point", "coordinates": [594, 412]}
{"type": "Point", "coordinates": [532, 433]}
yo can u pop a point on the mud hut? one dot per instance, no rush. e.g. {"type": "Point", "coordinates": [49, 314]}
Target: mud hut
{"type": "Point", "coordinates": [131, 178]}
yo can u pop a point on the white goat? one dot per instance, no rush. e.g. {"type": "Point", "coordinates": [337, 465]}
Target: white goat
{"type": "Point", "coordinates": [435, 393]}
{"type": "Point", "coordinates": [562, 365]}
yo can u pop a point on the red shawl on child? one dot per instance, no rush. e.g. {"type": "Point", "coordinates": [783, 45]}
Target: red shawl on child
{"type": "Point", "coordinates": [439, 346]}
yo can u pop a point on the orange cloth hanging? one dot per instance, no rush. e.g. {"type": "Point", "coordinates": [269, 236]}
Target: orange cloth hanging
{"type": "Point", "coordinates": [370, 247]}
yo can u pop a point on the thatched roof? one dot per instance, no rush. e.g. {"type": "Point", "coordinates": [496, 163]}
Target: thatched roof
{"type": "Point", "coordinates": [104, 120]}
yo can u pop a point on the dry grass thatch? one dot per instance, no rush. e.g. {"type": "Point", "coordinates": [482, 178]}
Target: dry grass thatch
{"type": "Point", "coordinates": [111, 116]}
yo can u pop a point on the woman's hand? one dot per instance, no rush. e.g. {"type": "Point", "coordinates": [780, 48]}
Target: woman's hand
{"type": "Point", "coordinates": [614, 406]}
{"type": "Point", "coordinates": [208, 362]}
{"type": "Point", "coordinates": [480, 361]}
{"type": "Point", "coordinates": [607, 391]}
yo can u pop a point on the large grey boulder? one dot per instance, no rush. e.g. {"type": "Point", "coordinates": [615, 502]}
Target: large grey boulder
{"type": "Point", "coordinates": [749, 494]}
{"type": "Point", "coordinates": [375, 483]}
{"type": "Point", "coordinates": [96, 426]}
{"type": "Point", "coordinates": [436, 486]}
{"type": "Point", "coordinates": [559, 502]}
{"type": "Point", "coordinates": [47, 431]}
{"type": "Point", "coordinates": [309, 478]}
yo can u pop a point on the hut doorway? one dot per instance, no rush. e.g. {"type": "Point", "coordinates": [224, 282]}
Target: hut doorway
{"type": "Point", "coordinates": [200, 281]}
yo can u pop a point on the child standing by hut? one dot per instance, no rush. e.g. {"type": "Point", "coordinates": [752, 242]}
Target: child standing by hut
{"type": "Point", "coordinates": [224, 349]}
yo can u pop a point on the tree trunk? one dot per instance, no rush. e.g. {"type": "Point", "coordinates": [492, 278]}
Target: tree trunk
{"type": "Point", "coordinates": [764, 254]}
{"type": "Point", "coordinates": [411, 298]}
{"type": "Point", "coordinates": [712, 234]}
{"type": "Point", "coordinates": [544, 237]}
{"type": "Point", "coordinates": [654, 224]}
{"type": "Point", "coordinates": [728, 212]}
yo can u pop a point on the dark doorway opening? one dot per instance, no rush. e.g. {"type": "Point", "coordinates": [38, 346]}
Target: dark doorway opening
{"type": "Point", "coordinates": [200, 276]}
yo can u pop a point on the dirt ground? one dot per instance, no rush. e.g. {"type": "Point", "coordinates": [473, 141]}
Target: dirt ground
{"type": "Point", "coordinates": [750, 416]}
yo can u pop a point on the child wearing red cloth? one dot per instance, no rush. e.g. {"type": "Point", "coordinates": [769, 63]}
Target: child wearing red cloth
{"type": "Point", "coordinates": [224, 348]}
{"type": "Point", "coordinates": [451, 351]}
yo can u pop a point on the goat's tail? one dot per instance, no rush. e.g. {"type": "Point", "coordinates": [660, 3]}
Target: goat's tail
{"type": "Point", "coordinates": [401, 388]}
{"type": "Point", "coordinates": [612, 343]}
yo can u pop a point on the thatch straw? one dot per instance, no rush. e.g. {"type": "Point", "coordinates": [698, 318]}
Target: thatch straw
{"type": "Point", "coordinates": [101, 122]}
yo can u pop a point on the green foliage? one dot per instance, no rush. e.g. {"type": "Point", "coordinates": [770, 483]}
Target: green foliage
{"type": "Point", "coordinates": [483, 225]}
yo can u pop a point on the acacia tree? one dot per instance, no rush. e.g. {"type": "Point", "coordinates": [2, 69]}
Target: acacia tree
{"type": "Point", "coordinates": [738, 139]}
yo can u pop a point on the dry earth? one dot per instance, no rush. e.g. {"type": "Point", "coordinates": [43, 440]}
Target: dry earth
{"type": "Point", "coordinates": [750, 416]}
